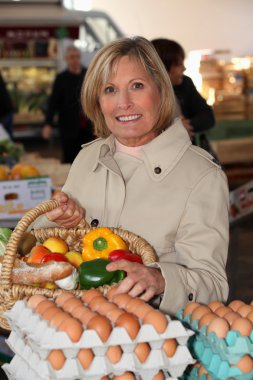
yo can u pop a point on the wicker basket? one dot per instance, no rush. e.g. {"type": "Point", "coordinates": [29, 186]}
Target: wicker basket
{"type": "Point", "coordinates": [10, 293]}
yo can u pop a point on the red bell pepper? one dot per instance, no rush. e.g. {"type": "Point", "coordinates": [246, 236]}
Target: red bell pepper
{"type": "Point", "coordinates": [54, 256]}
{"type": "Point", "coordinates": [121, 254]}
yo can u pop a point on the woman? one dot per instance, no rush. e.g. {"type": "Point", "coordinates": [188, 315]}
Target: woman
{"type": "Point", "coordinates": [144, 175]}
{"type": "Point", "coordinates": [197, 115]}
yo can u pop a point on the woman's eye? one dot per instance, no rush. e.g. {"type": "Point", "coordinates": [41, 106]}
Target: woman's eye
{"type": "Point", "coordinates": [138, 85]}
{"type": "Point", "coordinates": [109, 89]}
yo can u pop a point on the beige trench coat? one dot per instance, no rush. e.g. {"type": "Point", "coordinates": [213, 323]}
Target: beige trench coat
{"type": "Point", "coordinates": [177, 199]}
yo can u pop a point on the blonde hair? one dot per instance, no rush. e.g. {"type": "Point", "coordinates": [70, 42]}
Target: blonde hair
{"type": "Point", "coordinates": [101, 67]}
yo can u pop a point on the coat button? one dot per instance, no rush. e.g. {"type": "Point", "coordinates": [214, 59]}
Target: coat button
{"type": "Point", "coordinates": [94, 223]}
{"type": "Point", "coordinates": [190, 297]}
{"type": "Point", "coordinates": [157, 170]}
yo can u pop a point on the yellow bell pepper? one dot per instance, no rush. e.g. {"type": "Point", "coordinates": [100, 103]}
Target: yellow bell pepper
{"type": "Point", "coordinates": [98, 243]}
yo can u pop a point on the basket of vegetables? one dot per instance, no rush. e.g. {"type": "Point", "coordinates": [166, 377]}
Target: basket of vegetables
{"type": "Point", "coordinates": [53, 260]}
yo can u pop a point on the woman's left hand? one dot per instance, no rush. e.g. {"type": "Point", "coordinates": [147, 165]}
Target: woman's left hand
{"type": "Point", "coordinates": [141, 281]}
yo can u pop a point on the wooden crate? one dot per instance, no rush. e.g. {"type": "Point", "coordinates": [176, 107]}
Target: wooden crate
{"type": "Point", "coordinates": [234, 150]}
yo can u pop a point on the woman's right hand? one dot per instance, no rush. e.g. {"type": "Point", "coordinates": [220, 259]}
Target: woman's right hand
{"type": "Point", "coordinates": [68, 214]}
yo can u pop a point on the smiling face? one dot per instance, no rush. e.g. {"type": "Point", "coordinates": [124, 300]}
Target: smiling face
{"type": "Point", "coordinates": [130, 102]}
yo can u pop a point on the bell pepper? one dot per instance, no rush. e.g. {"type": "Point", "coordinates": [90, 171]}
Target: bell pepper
{"type": "Point", "coordinates": [93, 273]}
{"type": "Point", "coordinates": [100, 242]}
{"type": "Point", "coordinates": [54, 256]}
{"type": "Point", "coordinates": [121, 254]}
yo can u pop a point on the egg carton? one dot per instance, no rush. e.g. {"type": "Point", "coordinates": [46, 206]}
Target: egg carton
{"type": "Point", "coordinates": [157, 360]}
{"type": "Point", "coordinates": [223, 373]}
{"type": "Point", "coordinates": [231, 348]}
{"type": "Point", "coordinates": [43, 338]}
{"type": "Point", "coordinates": [18, 369]}
{"type": "Point", "coordinates": [217, 366]}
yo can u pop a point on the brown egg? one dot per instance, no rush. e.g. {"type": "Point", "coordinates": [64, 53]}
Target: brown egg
{"type": "Point", "coordinates": [96, 302]}
{"type": "Point", "coordinates": [159, 376]}
{"type": "Point", "coordinates": [124, 376]}
{"type": "Point", "coordinates": [215, 305]}
{"type": "Point", "coordinates": [220, 326]}
{"type": "Point", "coordinates": [157, 319]}
{"type": "Point", "coordinates": [111, 293]}
{"type": "Point", "coordinates": [85, 357]}
{"type": "Point", "coordinates": [105, 378]}
{"type": "Point", "coordinates": [234, 305]}
{"type": "Point", "coordinates": [73, 328]}
{"type": "Point", "coordinates": [87, 316]}
{"type": "Point", "coordinates": [57, 359]}
{"type": "Point", "coordinates": [142, 351]}
{"type": "Point", "coordinates": [202, 371]}
{"type": "Point", "coordinates": [62, 298]}
{"type": "Point", "coordinates": [188, 309]}
{"type": "Point", "coordinates": [78, 311]}
{"type": "Point", "coordinates": [105, 307]}
{"type": "Point", "coordinates": [130, 322]}
{"type": "Point", "coordinates": [43, 305]}
{"type": "Point", "coordinates": [134, 304]}
{"type": "Point", "coordinates": [223, 310]}
{"type": "Point", "coordinates": [242, 325]}
{"type": "Point", "coordinates": [245, 364]}
{"type": "Point", "coordinates": [231, 316]}
{"type": "Point", "coordinates": [142, 310]}
{"type": "Point", "coordinates": [169, 347]}
{"type": "Point", "coordinates": [250, 316]}
{"type": "Point", "coordinates": [58, 318]}
{"type": "Point", "coordinates": [35, 300]}
{"type": "Point", "coordinates": [251, 303]}
{"type": "Point", "coordinates": [114, 354]}
{"type": "Point", "coordinates": [101, 325]}
{"type": "Point", "coordinates": [199, 312]}
{"type": "Point", "coordinates": [122, 300]}
{"type": "Point", "coordinates": [50, 312]}
{"type": "Point", "coordinates": [114, 314]}
{"type": "Point", "coordinates": [70, 304]}
{"type": "Point", "coordinates": [206, 319]}
{"type": "Point", "coordinates": [89, 295]}
{"type": "Point", "coordinates": [244, 310]}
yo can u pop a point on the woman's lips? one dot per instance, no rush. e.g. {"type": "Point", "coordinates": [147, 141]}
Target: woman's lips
{"type": "Point", "coordinates": [125, 118]}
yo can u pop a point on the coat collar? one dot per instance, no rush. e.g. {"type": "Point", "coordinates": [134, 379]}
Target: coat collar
{"type": "Point", "coordinates": [159, 156]}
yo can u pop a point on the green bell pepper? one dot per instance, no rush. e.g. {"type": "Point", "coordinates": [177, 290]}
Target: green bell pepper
{"type": "Point", "coordinates": [93, 273]}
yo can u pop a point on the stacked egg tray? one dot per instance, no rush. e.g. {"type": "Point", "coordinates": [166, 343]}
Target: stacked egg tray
{"type": "Point", "coordinates": [32, 339]}
{"type": "Point", "coordinates": [218, 355]}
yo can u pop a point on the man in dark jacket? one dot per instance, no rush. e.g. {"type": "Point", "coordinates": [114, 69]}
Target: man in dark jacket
{"type": "Point", "coordinates": [197, 116]}
{"type": "Point", "coordinates": [6, 108]}
{"type": "Point", "coordinates": [74, 128]}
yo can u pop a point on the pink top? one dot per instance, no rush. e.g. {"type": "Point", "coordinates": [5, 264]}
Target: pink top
{"type": "Point", "coordinates": [131, 150]}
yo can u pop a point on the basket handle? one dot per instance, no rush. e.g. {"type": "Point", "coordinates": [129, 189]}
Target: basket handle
{"type": "Point", "coordinates": [21, 227]}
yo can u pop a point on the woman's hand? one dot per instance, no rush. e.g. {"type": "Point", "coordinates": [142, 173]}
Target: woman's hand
{"type": "Point", "coordinates": [141, 281]}
{"type": "Point", "coordinates": [68, 214]}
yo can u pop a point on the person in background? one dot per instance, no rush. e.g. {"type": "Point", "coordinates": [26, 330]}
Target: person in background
{"type": "Point", "coordinates": [196, 115]}
{"type": "Point", "coordinates": [74, 127]}
{"type": "Point", "coordinates": [144, 175]}
{"type": "Point", "coordinates": [6, 108]}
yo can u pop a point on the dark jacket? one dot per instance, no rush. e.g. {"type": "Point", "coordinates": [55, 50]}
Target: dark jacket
{"type": "Point", "coordinates": [5, 100]}
{"type": "Point", "coordinates": [194, 106]}
{"type": "Point", "coordinates": [65, 100]}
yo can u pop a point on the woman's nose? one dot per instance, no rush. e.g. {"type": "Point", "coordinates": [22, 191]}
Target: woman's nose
{"type": "Point", "coordinates": [124, 100]}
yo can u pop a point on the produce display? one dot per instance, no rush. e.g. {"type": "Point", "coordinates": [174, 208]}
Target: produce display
{"type": "Point", "coordinates": [10, 153]}
{"type": "Point", "coordinates": [223, 340]}
{"type": "Point", "coordinates": [18, 171]}
{"type": "Point", "coordinates": [94, 337]}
